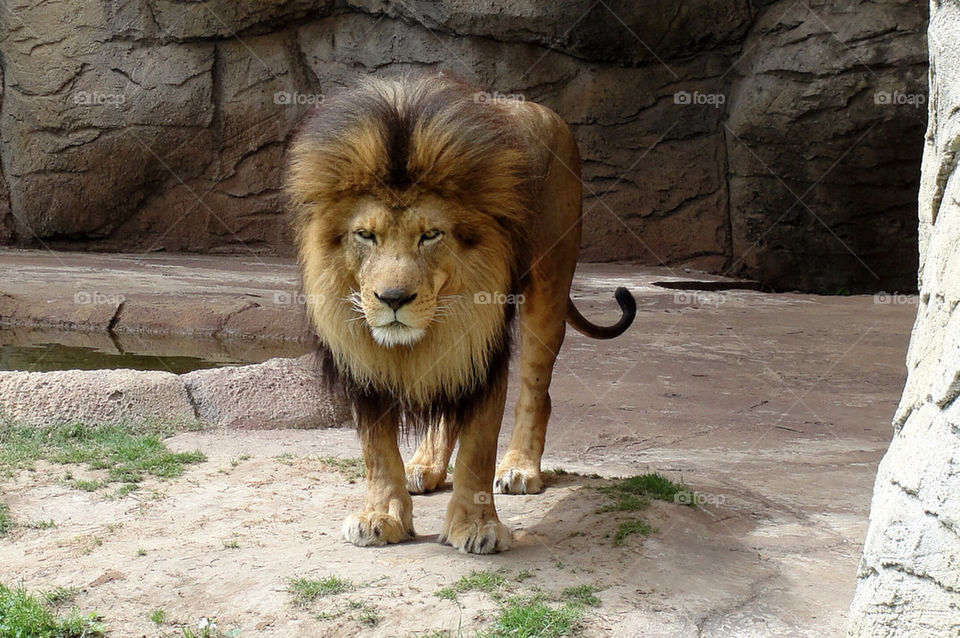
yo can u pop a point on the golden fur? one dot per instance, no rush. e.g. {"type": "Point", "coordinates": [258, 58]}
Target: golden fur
{"type": "Point", "coordinates": [478, 188]}
{"type": "Point", "coordinates": [425, 219]}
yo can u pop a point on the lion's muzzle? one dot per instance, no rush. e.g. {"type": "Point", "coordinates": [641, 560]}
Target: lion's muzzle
{"type": "Point", "coordinates": [395, 297]}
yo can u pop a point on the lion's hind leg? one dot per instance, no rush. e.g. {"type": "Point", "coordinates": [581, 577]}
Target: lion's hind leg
{"type": "Point", "coordinates": [427, 470]}
{"type": "Point", "coordinates": [541, 334]}
{"type": "Point", "coordinates": [387, 515]}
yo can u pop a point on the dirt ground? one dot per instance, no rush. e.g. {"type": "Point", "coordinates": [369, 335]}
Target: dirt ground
{"type": "Point", "coordinates": [774, 408]}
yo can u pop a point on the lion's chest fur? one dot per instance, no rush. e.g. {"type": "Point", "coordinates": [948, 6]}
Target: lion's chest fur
{"type": "Point", "coordinates": [453, 360]}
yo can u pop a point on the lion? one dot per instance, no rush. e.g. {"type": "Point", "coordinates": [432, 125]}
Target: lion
{"type": "Point", "coordinates": [428, 221]}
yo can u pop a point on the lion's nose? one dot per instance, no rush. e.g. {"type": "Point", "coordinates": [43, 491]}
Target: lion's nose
{"type": "Point", "coordinates": [395, 297]}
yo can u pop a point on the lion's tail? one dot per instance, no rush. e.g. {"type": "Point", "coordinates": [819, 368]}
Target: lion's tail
{"type": "Point", "coordinates": [628, 307]}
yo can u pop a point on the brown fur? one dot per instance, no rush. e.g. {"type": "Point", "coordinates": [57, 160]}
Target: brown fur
{"type": "Point", "coordinates": [417, 187]}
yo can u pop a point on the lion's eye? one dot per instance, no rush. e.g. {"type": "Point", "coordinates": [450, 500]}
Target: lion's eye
{"type": "Point", "coordinates": [367, 236]}
{"type": "Point", "coordinates": [430, 236]}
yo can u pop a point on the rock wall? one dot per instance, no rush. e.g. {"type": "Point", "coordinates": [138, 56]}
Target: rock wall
{"type": "Point", "coordinates": [774, 139]}
{"type": "Point", "coordinates": [909, 576]}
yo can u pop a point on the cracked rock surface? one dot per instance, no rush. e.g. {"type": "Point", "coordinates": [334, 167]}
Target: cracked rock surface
{"type": "Point", "coordinates": [161, 125]}
{"type": "Point", "coordinates": [909, 576]}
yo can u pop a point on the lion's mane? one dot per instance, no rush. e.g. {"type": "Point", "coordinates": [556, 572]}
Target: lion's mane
{"type": "Point", "coordinates": [398, 141]}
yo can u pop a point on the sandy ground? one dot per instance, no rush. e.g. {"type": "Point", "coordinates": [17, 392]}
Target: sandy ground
{"type": "Point", "coordinates": [775, 408]}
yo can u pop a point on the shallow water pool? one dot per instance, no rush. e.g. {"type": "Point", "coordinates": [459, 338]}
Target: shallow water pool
{"type": "Point", "coordinates": [42, 350]}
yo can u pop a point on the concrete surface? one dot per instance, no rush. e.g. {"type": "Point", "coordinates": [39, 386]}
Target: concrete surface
{"type": "Point", "coordinates": [775, 408]}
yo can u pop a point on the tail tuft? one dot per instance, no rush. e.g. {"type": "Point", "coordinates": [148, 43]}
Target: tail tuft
{"type": "Point", "coordinates": [628, 305]}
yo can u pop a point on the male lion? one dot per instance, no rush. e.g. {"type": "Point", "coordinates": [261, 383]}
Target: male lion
{"type": "Point", "coordinates": [425, 216]}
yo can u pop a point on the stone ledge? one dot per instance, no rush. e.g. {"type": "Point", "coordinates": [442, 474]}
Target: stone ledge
{"type": "Point", "coordinates": [276, 394]}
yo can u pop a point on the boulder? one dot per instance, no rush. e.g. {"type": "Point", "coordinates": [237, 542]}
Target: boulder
{"type": "Point", "coordinates": [279, 393]}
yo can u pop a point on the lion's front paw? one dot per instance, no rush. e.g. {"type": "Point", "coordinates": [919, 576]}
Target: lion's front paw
{"type": "Point", "coordinates": [423, 478]}
{"type": "Point", "coordinates": [477, 536]}
{"type": "Point", "coordinates": [515, 480]}
{"type": "Point", "coordinates": [375, 528]}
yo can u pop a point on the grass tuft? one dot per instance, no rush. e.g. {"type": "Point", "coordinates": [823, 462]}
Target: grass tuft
{"type": "Point", "coordinates": [351, 468]}
{"type": "Point", "coordinates": [6, 520]}
{"type": "Point", "coordinates": [634, 494]}
{"type": "Point", "coordinates": [23, 614]}
{"type": "Point", "coordinates": [629, 528]}
{"type": "Point", "coordinates": [489, 582]}
{"type": "Point", "coordinates": [581, 595]}
{"type": "Point", "coordinates": [88, 486]}
{"type": "Point", "coordinates": [61, 595]}
{"type": "Point", "coordinates": [366, 614]}
{"type": "Point", "coordinates": [533, 618]}
{"type": "Point", "coordinates": [306, 590]}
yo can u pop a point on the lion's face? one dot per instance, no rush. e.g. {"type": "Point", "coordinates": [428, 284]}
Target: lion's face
{"type": "Point", "coordinates": [409, 209]}
{"type": "Point", "coordinates": [403, 261]}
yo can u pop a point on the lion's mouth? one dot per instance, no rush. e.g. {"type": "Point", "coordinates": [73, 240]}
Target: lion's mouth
{"type": "Point", "coordinates": [396, 333]}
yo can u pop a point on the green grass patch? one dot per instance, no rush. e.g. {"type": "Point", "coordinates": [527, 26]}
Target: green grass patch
{"type": "Point", "coordinates": [581, 595]}
{"type": "Point", "coordinates": [364, 613]}
{"type": "Point", "coordinates": [158, 616]}
{"type": "Point", "coordinates": [24, 615]}
{"type": "Point", "coordinates": [635, 493]}
{"type": "Point", "coordinates": [208, 628]}
{"type": "Point", "coordinates": [351, 468]}
{"type": "Point", "coordinates": [61, 595]}
{"type": "Point", "coordinates": [88, 486]}
{"type": "Point", "coordinates": [533, 618]}
{"type": "Point", "coordinates": [126, 452]}
{"type": "Point", "coordinates": [6, 519]}
{"type": "Point", "coordinates": [306, 590]}
{"type": "Point", "coordinates": [123, 490]}
{"type": "Point", "coordinates": [488, 581]}
{"type": "Point", "coordinates": [559, 471]}
{"type": "Point", "coordinates": [629, 528]}
{"type": "Point", "coordinates": [47, 524]}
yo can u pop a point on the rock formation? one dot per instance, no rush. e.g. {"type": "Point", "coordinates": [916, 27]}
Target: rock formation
{"type": "Point", "coordinates": [774, 139]}
{"type": "Point", "coordinates": [909, 576]}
